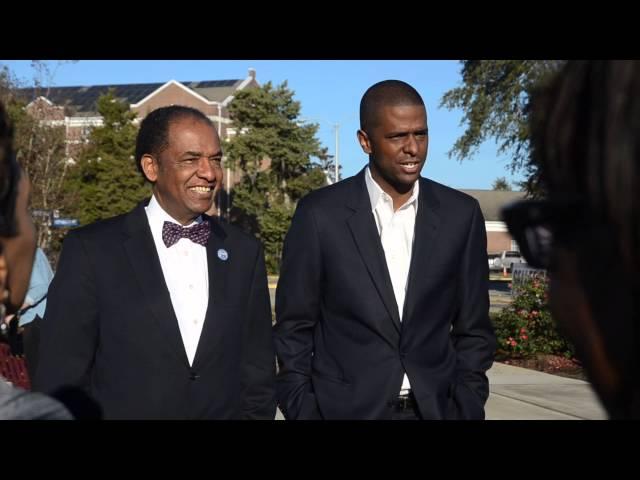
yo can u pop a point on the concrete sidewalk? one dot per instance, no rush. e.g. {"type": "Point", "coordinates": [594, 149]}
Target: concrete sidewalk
{"type": "Point", "coordinates": [522, 394]}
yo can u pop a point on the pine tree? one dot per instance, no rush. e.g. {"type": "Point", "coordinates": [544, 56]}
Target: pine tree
{"type": "Point", "coordinates": [106, 182]}
{"type": "Point", "coordinates": [279, 157]}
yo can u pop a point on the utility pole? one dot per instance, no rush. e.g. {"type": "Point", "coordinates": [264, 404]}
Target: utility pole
{"type": "Point", "coordinates": [337, 127]}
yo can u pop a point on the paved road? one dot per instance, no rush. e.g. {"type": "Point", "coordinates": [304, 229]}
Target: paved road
{"type": "Point", "coordinates": [499, 293]}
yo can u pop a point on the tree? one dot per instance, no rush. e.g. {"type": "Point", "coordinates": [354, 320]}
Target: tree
{"type": "Point", "coordinates": [105, 181]}
{"type": "Point", "coordinates": [278, 156]}
{"type": "Point", "coordinates": [495, 100]}
{"type": "Point", "coordinates": [501, 184]}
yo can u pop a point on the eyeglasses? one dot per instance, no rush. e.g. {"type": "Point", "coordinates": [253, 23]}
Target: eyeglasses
{"type": "Point", "coordinates": [538, 225]}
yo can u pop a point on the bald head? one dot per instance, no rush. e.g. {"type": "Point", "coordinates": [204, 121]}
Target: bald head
{"type": "Point", "coordinates": [388, 93]}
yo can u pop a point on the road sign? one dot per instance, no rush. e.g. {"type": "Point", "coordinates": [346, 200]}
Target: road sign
{"type": "Point", "coordinates": [65, 222]}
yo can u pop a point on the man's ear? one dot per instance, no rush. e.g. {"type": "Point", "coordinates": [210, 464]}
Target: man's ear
{"type": "Point", "coordinates": [150, 167]}
{"type": "Point", "coordinates": [363, 138]}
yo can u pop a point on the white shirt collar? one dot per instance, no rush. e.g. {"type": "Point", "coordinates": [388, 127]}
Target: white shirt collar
{"type": "Point", "coordinates": [376, 193]}
{"type": "Point", "coordinates": [158, 215]}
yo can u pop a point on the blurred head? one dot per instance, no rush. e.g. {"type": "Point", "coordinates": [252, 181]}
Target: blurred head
{"type": "Point", "coordinates": [393, 132]}
{"type": "Point", "coordinates": [9, 177]}
{"type": "Point", "coordinates": [17, 231]}
{"type": "Point", "coordinates": [178, 151]}
{"type": "Point", "coordinates": [585, 138]}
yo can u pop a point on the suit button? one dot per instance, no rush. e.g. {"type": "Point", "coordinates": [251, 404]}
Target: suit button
{"type": "Point", "coordinates": [193, 376]}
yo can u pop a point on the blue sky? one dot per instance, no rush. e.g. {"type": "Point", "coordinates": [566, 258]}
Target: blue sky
{"type": "Point", "coordinates": [329, 92]}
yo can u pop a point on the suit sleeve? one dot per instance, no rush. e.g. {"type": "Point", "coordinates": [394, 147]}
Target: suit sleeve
{"type": "Point", "coordinates": [69, 331]}
{"type": "Point", "coordinates": [472, 332]}
{"type": "Point", "coordinates": [297, 312]}
{"type": "Point", "coordinates": [258, 370]}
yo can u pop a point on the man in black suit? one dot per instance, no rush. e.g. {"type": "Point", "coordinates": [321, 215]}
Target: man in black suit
{"type": "Point", "coordinates": [382, 304]}
{"type": "Point", "coordinates": [164, 312]}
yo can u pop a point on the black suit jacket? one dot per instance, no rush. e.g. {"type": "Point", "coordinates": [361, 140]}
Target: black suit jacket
{"type": "Point", "coordinates": [110, 327]}
{"type": "Point", "coordinates": [341, 347]}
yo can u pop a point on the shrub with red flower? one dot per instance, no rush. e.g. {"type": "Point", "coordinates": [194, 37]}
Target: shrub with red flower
{"type": "Point", "coordinates": [525, 328]}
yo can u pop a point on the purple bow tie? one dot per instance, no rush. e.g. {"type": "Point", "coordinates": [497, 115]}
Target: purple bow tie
{"type": "Point", "coordinates": [172, 232]}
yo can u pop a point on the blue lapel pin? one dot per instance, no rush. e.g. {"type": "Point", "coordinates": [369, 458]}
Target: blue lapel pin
{"type": "Point", "coordinates": [223, 255]}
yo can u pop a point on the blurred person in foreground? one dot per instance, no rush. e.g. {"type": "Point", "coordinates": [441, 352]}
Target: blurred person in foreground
{"type": "Point", "coordinates": [585, 140]}
{"type": "Point", "coordinates": [17, 248]}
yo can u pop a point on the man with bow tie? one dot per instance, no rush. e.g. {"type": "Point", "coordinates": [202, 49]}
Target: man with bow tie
{"type": "Point", "coordinates": [163, 313]}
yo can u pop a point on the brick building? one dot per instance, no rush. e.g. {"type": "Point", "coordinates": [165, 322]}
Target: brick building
{"type": "Point", "coordinates": [491, 202]}
{"type": "Point", "coordinates": [75, 107]}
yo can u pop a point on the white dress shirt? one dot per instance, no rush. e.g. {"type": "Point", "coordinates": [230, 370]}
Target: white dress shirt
{"type": "Point", "coordinates": [396, 229]}
{"type": "Point", "coordinates": [185, 270]}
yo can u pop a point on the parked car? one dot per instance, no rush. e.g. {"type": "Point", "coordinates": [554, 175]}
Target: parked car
{"type": "Point", "coordinates": [507, 258]}
{"type": "Point", "coordinates": [492, 259]}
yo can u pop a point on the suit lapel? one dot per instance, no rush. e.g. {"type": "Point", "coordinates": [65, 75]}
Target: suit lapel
{"type": "Point", "coordinates": [364, 231]}
{"type": "Point", "coordinates": [426, 231]}
{"type": "Point", "coordinates": [218, 285]}
{"type": "Point", "coordinates": [142, 254]}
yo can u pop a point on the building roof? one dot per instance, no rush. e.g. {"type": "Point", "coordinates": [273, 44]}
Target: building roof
{"type": "Point", "coordinates": [81, 100]}
{"type": "Point", "coordinates": [492, 201]}
{"type": "Point", "coordinates": [216, 90]}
